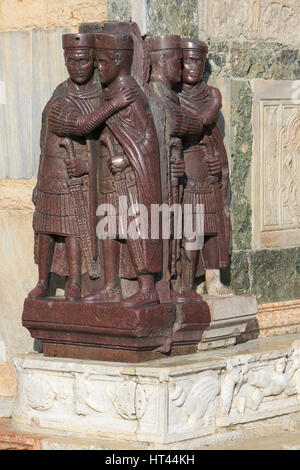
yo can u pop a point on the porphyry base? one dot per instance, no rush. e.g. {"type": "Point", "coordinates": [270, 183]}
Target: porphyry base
{"type": "Point", "coordinates": [110, 332]}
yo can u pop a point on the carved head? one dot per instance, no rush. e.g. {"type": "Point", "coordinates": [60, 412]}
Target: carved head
{"type": "Point", "coordinates": [79, 56]}
{"type": "Point", "coordinates": [113, 56]}
{"type": "Point", "coordinates": [166, 58]}
{"type": "Point", "coordinates": [194, 57]}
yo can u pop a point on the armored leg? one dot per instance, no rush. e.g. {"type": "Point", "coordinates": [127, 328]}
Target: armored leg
{"type": "Point", "coordinates": [73, 290]}
{"type": "Point", "coordinates": [111, 290]}
{"type": "Point", "coordinates": [45, 255]}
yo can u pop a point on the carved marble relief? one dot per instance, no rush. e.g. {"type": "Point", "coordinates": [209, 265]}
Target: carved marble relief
{"type": "Point", "coordinates": [253, 19]}
{"type": "Point", "coordinates": [276, 165]}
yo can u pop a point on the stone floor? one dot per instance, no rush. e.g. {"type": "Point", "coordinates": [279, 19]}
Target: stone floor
{"type": "Point", "coordinates": [11, 439]}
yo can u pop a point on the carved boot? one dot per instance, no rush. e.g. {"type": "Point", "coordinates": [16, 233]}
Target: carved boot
{"type": "Point", "coordinates": [73, 292]}
{"type": "Point", "coordinates": [188, 294]}
{"type": "Point", "coordinates": [41, 290]}
{"type": "Point", "coordinates": [45, 255]}
{"type": "Point", "coordinates": [108, 294]}
{"type": "Point", "coordinates": [147, 293]}
{"type": "Point", "coordinates": [214, 285]}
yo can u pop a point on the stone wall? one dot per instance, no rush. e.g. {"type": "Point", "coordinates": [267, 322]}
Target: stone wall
{"type": "Point", "coordinates": [45, 14]}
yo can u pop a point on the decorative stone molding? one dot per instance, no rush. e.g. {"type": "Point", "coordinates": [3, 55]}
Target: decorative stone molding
{"type": "Point", "coordinates": [164, 401]}
{"type": "Point", "coordinates": [273, 319]}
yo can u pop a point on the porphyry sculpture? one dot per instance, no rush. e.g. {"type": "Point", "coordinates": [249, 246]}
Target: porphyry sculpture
{"type": "Point", "coordinates": [114, 143]}
{"type": "Point", "coordinates": [65, 195]}
{"type": "Point", "coordinates": [129, 167]}
{"type": "Point", "coordinates": [206, 170]}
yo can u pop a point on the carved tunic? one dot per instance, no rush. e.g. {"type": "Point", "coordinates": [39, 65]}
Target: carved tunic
{"type": "Point", "coordinates": [54, 211]}
{"type": "Point", "coordinates": [131, 133]}
{"type": "Point", "coordinates": [200, 187]}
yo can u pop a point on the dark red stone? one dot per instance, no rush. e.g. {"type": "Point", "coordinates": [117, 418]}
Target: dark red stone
{"type": "Point", "coordinates": [113, 333]}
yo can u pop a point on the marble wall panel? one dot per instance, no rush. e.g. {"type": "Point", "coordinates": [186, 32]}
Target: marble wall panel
{"type": "Point", "coordinates": [31, 66]}
{"type": "Point", "coordinates": [48, 70]}
{"type": "Point", "coordinates": [18, 275]}
{"type": "Point", "coordinates": [15, 113]}
{"type": "Point", "coordinates": [276, 164]}
{"type": "Point", "coordinates": [172, 17]}
{"type": "Point", "coordinates": [270, 20]}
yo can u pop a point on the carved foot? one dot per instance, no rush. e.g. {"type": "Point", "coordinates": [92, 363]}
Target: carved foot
{"type": "Point", "coordinates": [73, 293]}
{"type": "Point", "coordinates": [214, 285]}
{"type": "Point", "coordinates": [188, 296]}
{"type": "Point", "coordinates": [201, 289]}
{"type": "Point", "coordinates": [105, 295]}
{"type": "Point", "coordinates": [40, 290]}
{"type": "Point", "coordinates": [142, 297]}
{"type": "Point", "coordinates": [219, 289]}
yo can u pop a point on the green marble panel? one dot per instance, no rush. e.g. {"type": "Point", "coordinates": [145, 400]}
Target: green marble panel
{"type": "Point", "coordinates": [270, 61]}
{"type": "Point", "coordinates": [241, 155]}
{"type": "Point", "coordinates": [119, 10]}
{"type": "Point", "coordinates": [275, 274]}
{"type": "Point", "coordinates": [172, 17]}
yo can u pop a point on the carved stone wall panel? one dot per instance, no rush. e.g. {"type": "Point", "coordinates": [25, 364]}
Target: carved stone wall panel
{"type": "Point", "coordinates": [276, 164]}
{"type": "Point", "coordinates": [266, 20]}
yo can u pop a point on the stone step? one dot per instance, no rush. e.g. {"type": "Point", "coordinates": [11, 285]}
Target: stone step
{"type": "Point", "coordinates": [11, 439]}
{"type": "Point", "coordinates": [285, 440]}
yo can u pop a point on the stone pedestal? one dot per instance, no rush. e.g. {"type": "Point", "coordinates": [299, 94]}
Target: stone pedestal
{"type": "Point", "coordinates": [108, 332]}
{"type": "Point", "coordinates": [229, 318]}
{"type": "Point", "coordinates": [171, 401]}
{"type": "Point", "coordinates": [114, 333]}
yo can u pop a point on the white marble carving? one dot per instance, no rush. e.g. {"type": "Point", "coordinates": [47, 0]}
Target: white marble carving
{"type": "Point", "coordinates": [276, 164]}
{"type": "Point", "coordinates": [40, 392]}
{"type": "Point", "coordinates": [200, 402]}
{"type": "Point", "coordinates": [130, 400]}
{"type": "Point", "coordinates": [163, 401]}
{"type": "Point", "coordinates": [276, 20]}
{"type": "Point", "coordinates": [86, 397]}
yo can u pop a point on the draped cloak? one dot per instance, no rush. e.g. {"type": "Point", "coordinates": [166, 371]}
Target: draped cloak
{"type": "Point", "coordinates": [134, 130]}
{"type": "Point", "coordinates": [54, 212]}
{"type": "Point", "coordinates": [199, 99]}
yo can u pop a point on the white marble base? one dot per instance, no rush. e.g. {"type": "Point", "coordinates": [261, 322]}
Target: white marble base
{"type": "Point", "coordinates": [230, 316]}
{"type": "Point", "coordinates": [161, 402]}
{"type": "Point", "coordinates": [6, 406]}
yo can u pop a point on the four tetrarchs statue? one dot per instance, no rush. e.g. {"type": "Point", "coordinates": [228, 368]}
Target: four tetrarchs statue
{"type": "Point", "coordinates": [107, 138]}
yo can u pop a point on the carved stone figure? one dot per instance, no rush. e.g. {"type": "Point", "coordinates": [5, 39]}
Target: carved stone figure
{"type": "Point", "coordinates": [206, 170]}
{"type": "Point", "coordinates": [128, 142]}
{"type": "Point", "coordinates": [173, 122]}
{"type": "Point", "coordinates": [65, 194]}
{"type": "Point", "coordinates": [129, 167]}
